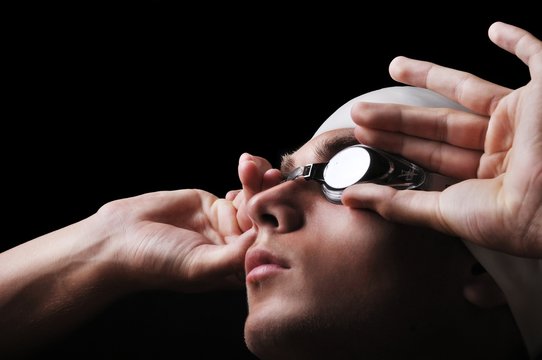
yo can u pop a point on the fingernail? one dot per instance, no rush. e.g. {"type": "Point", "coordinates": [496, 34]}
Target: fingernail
{"type": "Point", "coordinates": [245, 156]}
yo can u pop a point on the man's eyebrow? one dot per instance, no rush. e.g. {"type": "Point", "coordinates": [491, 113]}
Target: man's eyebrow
{"type": "Point", "coordinates": [323, 151]}
{"type": "Point", "coordinates": [287, 163]}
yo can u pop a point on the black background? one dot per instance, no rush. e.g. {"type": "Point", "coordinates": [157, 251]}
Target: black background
{"type": "Point", "coordinates": [109, 100]}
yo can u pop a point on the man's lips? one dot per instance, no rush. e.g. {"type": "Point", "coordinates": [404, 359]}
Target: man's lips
{"type": "Point", "coordinates": [260, 264]}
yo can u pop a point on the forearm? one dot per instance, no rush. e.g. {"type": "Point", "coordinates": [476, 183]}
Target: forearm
{"type": "Point", "coordinates": [54, 282]}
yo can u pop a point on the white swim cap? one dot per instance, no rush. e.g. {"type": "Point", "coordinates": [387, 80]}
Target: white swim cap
{"type": "Point", "coordinates": [519, 278]}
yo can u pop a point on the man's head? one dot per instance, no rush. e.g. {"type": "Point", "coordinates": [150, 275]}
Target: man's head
{"type": "Point", "coordinates": [327, 281]}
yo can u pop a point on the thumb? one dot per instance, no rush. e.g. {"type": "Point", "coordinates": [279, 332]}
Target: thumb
{"type": "Point", "coordinates": [411, 207]}
{"type": "Point", "coordinates": [230, 258]}
{"type": "Point", "coordinates": [220, 266]}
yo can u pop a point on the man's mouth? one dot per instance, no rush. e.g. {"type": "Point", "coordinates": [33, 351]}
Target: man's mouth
{"type": "Point", "coordinates": [261, 264]}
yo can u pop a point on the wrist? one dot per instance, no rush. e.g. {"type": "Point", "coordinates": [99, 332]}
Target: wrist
{"type": "Point", "coordinates": [81, 261]}
{"type": "Point", "coordinates": [100, 250]}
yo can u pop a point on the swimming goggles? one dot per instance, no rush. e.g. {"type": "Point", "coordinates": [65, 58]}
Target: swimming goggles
{"type": "Point", "coordinates": [358, 164]}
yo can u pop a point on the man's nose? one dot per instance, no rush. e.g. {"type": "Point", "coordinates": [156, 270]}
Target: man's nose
{"type": "Point", "coordinates": [279, 208]}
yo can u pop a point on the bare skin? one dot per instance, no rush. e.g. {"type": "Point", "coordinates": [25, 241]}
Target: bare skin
{"type": "Point", "coordinates": [496, 149]}
{"type": "Point", "coordinates": [186, 240]}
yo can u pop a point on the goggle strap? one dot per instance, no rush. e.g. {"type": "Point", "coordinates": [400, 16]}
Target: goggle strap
{"type": "Point", "coordinates": [308, 172]}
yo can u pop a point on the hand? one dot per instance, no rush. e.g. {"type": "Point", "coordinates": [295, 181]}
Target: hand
{"type": "Point", "coordinates": [256, 174]}
{"type": "Point", "coordinates": [496, 150]}
{"type": "Point", "coordinates": [187, 240]}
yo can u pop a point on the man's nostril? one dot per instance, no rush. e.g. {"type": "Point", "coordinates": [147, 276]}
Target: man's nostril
{"type": "Point", "coordinates": [270, 219]}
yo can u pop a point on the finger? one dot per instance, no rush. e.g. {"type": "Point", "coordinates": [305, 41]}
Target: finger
{"type": "Point", "coordinates": [419, 208]}
{"type": "Point", "coordinates": [519, 42]}
{"type": "Point", "coordinates": [251, 170]}
{"type": "Point", "coordinates": [224, 217]}
{"type": "Point", "coordinates": [250, 177]}
{"type": "Point", "coordinates": [232, 194]}
{"type": "Point", "coordinates": [524, 159]}
{"type": "Point", "coordinates": [239, 200]}
{"type": "Point", "coordinates": [226, 259]}
{"type": "Point", "coordinates": [445, 125]}
{"type": "Point", "coordinates": [468, 210]}
{"type": "Point", "coordinates": [262, 163]}
{"type": "Point", "coordinates": [272, 177]}
{"type": "Point", "coordinates": [243, 219]}
{"type": "Point", "coordinates": [214, 267]}
{"type": "Point", "coordinates": [479, 95]}
{"type": "Point", "coordinates": [435, 156]}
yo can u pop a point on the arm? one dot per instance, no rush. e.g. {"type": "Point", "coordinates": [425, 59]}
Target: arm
{"type": "Point", "coordinates": [496, 149]}
{"type": "Point", "coordinates": [45, 284]}
{"type": "Point", "coordinates": [185, 240]}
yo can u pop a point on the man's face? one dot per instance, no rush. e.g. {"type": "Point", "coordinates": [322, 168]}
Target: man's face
{"type": "Point", "coordinates": [325, 278]}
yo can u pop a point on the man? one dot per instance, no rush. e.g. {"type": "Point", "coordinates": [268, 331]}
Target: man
{"type": "Point", "coordinates": [323, 280]}
{"type": "Point", "coordinates": [328, 281]}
